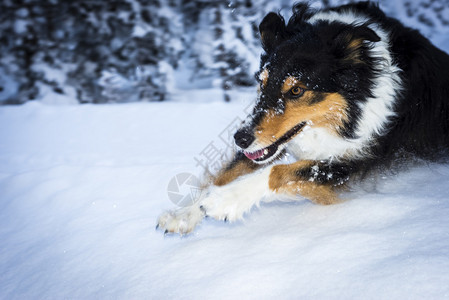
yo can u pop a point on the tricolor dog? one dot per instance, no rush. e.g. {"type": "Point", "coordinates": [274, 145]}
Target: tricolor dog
{"type": "Point", "coordinates": [344, 91]}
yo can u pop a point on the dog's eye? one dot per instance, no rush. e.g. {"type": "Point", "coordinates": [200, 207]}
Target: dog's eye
{"type": "Point", "coordinates": [296, 92]}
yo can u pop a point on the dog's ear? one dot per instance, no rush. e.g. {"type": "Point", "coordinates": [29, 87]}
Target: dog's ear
{"type": "Point", "coordinates": [348, 43]}
{"type": "Point", "coordinates": [271, 31]}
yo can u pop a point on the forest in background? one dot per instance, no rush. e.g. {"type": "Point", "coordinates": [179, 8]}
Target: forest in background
{"type": "Point", "coordinates": [142, 50]}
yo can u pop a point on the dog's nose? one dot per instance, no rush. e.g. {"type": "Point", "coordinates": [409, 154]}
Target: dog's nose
{"type": "Point", "coordinates": [243, 138]}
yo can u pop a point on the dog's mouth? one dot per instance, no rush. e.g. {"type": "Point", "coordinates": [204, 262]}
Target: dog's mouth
{"type": "Point", "coordinates": [266, 153]}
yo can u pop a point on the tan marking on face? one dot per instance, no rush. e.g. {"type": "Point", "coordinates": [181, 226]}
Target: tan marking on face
{"type": "Point", "coordinates": [230, 174]}
{"type": "Point", "coordinates": [291, 82]}
{"type": "Point", "coordinates": [329, 113]}
{"type": "Point", "coordinates": [284, 180]}
{"type": "Point", "coordinates": [263, 77]}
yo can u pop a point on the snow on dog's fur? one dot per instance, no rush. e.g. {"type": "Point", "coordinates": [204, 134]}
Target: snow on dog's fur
{"type": "Point", "coordinates": [345, 91]}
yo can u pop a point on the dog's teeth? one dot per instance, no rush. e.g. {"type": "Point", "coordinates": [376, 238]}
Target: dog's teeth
{"type": "Point", "coordinates": [265, 152]}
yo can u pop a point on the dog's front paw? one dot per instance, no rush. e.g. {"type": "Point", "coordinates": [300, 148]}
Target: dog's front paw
{"type": "Point", "coordinates": [182, 221]}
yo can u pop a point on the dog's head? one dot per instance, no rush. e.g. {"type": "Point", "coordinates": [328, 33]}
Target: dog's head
{"type": "Point", "coordinates": [313, 76]}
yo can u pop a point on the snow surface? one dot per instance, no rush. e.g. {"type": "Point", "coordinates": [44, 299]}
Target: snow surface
{"type": "Point", "coordinates": [81, 187]}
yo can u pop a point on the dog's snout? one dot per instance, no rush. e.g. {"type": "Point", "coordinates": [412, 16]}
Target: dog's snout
{"type": "Point", "coordinates": [243, 138]}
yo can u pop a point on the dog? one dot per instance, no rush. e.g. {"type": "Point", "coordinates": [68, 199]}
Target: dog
{"type": "Point", "coordinates": [345, 91]}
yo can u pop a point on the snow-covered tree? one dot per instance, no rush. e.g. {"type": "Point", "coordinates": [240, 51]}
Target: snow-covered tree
{"type": "Point", "coordinates": [140, 50]}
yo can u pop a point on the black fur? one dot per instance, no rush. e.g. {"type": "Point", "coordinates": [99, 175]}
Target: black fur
{"type": "Point", "coordinates": [320, 56]}
{"type": "Point", "coordinates": [316, 53]}
{"type": "Point", "coordinates": [422, 123]}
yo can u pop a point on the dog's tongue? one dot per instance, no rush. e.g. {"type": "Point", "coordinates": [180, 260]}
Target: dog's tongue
{"type": "Point", "coordinates": [254, 155]}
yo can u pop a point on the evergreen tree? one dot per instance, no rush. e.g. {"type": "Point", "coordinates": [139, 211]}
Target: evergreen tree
{"type": "Point", "coordinates": [131, 50]}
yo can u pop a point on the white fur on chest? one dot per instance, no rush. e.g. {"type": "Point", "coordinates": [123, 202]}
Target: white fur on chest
{"type": "Point", "coordinates": [320, 144]}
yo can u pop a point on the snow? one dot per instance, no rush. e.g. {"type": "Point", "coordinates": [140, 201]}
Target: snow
{"type": "Point", "coordinates": [82, 186]}
{"type": "Point", "coordinates": [9, 86]}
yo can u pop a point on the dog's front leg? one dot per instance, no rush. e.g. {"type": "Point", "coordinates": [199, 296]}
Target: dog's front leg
{"type": "Point", "coordinates": [226, 203]}
{"type": "Point", "coordinates": [224, 191]}
{"type": "Point", "coordinates": [239, 166]}
{"type": "Point", "coordinates": [231, 201]}
{"type": "Point", "coordinates": [314, 180]}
